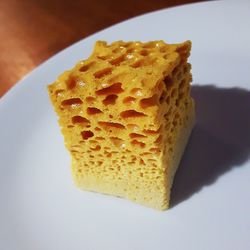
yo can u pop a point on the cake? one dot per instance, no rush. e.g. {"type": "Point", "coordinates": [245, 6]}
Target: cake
{"type": "Point", "coordinates": [126, 115]}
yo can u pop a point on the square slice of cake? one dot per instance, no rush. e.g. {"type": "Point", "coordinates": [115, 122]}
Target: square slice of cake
{"type": "Point", "coordinates": [126, 115]}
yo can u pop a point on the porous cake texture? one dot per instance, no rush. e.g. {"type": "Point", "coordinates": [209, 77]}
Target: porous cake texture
{"type": "Point", "coordinates": [126, 115]}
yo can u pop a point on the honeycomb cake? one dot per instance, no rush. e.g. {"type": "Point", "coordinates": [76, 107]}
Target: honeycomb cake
{"type": "Point", "coordinates": [126, 115]}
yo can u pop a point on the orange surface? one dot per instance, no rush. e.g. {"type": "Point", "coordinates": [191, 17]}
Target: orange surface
{"type": "Point", "coordinates": [31, 31]}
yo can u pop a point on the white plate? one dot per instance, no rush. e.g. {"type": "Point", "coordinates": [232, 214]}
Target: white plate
{"type": "Point", "coordinates": [42, 210]}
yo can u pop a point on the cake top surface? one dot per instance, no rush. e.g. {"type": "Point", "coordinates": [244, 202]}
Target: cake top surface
{"type": "Point", "coordinates": [134, 65]}
{"type": "Point", "coordinates": [123, 82]}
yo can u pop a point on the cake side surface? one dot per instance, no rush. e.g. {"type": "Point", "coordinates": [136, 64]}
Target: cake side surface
{"type": "Point", "coordinates": [126, 114]}
{"type": "Point", "coordinates": [157, 200]}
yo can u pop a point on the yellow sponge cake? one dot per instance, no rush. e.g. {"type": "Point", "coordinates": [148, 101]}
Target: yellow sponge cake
{"type": "Point", "coordinates": [126, 115]}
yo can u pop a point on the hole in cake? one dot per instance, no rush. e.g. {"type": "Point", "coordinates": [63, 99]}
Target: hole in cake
{"type": "Point", "coordinates": [97, 129]}
{"type": "Point", "coordinates": [71, 82]}
{"type": "Point", "coordinates": [152, 160]}
{"type": "Point", "coordinates": [148, 102]}
{"type": "Point", "coordinates": [163, 50]}
{"type": "Point", "coordinates": [93, 141]}
{"type": "Point", "coordinates": [87, 134]}
{"type": "Point", "coordinates": [174, 93]}
{"type": "Point", "coordinates": [79, 120]}
{"type": "Point", "coordinates": [167, 126]}
{"type": "Point", "coordinates": [176, 70]}
{"type": "Point", "coordinates": [159, 139]}
{"type": "Point", "coordinates": [129, 100]}
{"type": "Point", "coordinates": [116, 50]}
{"type": "Point", "coordinates": [71, 101]}
{"type": "Point", "coordinates": [90, 99]}
{"type": "Point", "coordinates": [133, 159]}
{"type": "Point", "coordinates": [149, 45]}
{"type": "Point", "coordinates": [59, 91]}
{"type": "Point", "coordinates": [97, 148]}
{"type": "Point", "coordinates": [70, 126]}
{"type": "Point", "coordinates": [177, 102]}
{"type": "Point", "coordinates": [146, 154]}
{"type": "Point", "coordinates": [111, 116]}
{"type": "Point", "coordinates": [166, 56]}
{"type": "Point", "coordinates": [93, 111]}
{"type": "Point", "coordinates": [103, 57]}
{"type": "Point", "coordinates": [138, 63]}
{"type": "Point", "coordinates": [117, 142]}
{"type": "Point", "coordinates": [142, 162]}
{"type": "Point", "coordinates": [136, 92]}
{"type": "Point", "coordinates": [151, 132]}
{"type": "Point", "coordinates": [113, 89]}
{"type": "Point", "coordinates": [169, 112]}
{"type": "Point", "coordinates": [100, 138]}
{"type": "Point", "coordinates": [168, 82]}
{"type": "Point", "coordinates": [133, 127]}
{"type": "Point", "coordinates": [74, 151]}
{"type": "Point", "coordinates": [181, 96]}
{"type": "Point", "coordinates": [182, 84]}
{"type": "Point", "coordinates": [110, 100]}
{"type": "Point", "coordinates": [99, 163]}
{"type": "Point", "coordinates": [160, 86]}
{"type": "Point", "coordinates": [144, 52]}
{"type": "Point", "coordinates": [179, 75]}
{"type": "Point", "coordinates": [170, 140]}
{"type": "Point", "coordinates": [175, 123]}
{"type": "Point", "coordinates": [168, 100]}
{"type": "Point", "coordinates": [86, 67]}
{"type": "Point", "coordinates": [109, 155]}
{"type": "Point", "coordinates": [155, 150]}
{"type": "Point", "coordinates": [138, 143]}
{"type": "Point", "coordinates": [131, 114]}
{"type": "Point", "coordinates": [135, 135]}
{"type": "Point", "coordinates": [130, 50]}
{"type": "Point", "coordinates": [128, 44]}
{"type": "Point", "coordinates": [186, 68]}
{"type": "Point", "coordinates": [111, 125]}
{"type": "Point", "coordinates": [102, 73]}
{"type": "Point", "coordinates": [162, 97]}
{"type": "Point", "coordinates": [117, 60]}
